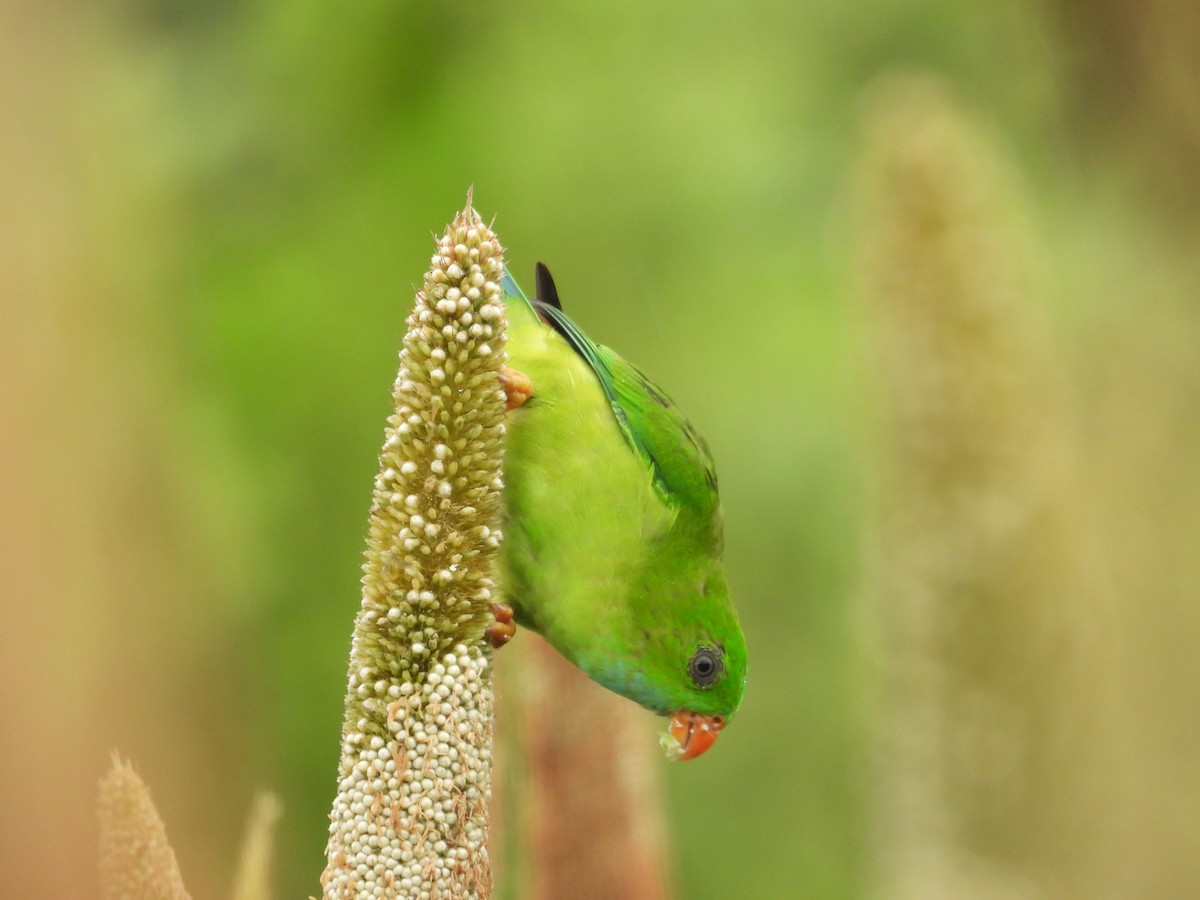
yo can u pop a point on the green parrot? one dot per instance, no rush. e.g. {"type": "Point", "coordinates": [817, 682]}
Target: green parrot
{"type": "Point", "coordinates": [613, 536]}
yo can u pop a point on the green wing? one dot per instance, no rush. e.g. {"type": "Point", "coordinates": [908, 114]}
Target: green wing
{"type": "Point", "coordinates": [678, 457]}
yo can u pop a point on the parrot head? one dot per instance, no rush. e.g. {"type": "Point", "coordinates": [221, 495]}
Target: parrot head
{"type": "Point", "coordinates": [709, 677]}
{"type": "Point", "coordinates": [688, 660]}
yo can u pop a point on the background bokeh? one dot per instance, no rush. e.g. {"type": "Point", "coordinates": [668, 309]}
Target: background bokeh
{"type": "Point", "coordinates": [212, 218]}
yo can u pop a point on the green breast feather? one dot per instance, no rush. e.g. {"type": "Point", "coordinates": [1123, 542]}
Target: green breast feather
{"type": "Point", "coordinates": [613, 539]}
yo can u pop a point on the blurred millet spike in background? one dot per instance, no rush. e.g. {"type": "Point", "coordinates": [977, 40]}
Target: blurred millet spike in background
{"type": "Point", "coordinates": [136, 860]}
{"type": "Point", "coordinates": [258, 850]}
{"type": "Point", "coordinates": [410, 817]}
{"type": "Point", "coordinates": [995, 635]}
{"type": "Point", "coordinates": [590, 798]}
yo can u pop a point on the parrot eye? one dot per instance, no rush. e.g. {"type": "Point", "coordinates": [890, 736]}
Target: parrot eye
{"type": "Point", "coordinates": [706, 667]}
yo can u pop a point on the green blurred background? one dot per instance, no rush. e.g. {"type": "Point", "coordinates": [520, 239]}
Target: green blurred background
{"type": "Point", "coordinates": [213, 218]}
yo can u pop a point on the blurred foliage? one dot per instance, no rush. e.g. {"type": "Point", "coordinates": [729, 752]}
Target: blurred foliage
{"type": "Point", "coordinates": [213, 216]}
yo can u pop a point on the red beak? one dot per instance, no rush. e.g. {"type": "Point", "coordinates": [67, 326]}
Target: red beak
{"type": "Point", "coordinates": [694, 732]}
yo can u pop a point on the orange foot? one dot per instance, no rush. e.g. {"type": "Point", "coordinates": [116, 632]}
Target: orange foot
{"type": "Point", "coordinates": [517, 387]}
{"type": "Point", "coordinates": [501, 631]}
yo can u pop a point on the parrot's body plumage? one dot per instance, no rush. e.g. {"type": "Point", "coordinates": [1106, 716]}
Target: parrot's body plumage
{"type": "Point", "coordinates": [614, 534]}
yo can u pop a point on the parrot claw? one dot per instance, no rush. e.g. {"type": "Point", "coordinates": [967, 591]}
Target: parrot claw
{"type": "Point", "coordinates": [501, 631]}
{"type": "Point", "coordinates": [517, 388]}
